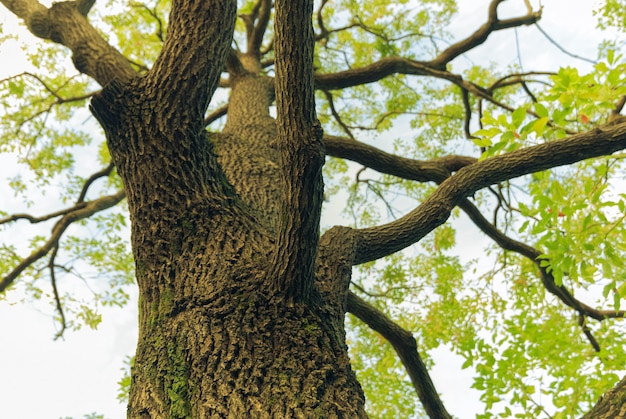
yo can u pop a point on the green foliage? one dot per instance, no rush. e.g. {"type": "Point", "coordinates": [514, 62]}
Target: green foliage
{"type": "Point", "coordinates": [612, 13]}
{"type": "Point", "coordinates": [124, 383]}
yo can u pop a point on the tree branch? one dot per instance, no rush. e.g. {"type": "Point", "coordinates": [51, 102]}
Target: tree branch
{"type": "Point", "coordinates": [299, 136]}
{"type": "Point", "coordinates": [100, 174]}
{"type": "Point", "coordinates": [380, 241]}
{"type": "Point", "coordinates": [187, 71]}
{"type": "Point", "coordinates": [215, 115]}
{"type": "Point", "coordinates": [65, 24]}
{"type": "Point", "coordinates": [255, 37]}
{"type": "Point", "coordinates": [481, 35]}
{"type": "Point", "coordinates": [84, 6]}
{"type": "Point", "coordinates": [507, 243]}
{"type": "Point", "coordinates": [80, 212]}
{"type": "Point", "coordinates": [611, 405]}
{"type": "Point", "coordinates": [55, 291]}
{"type": "Point", "coordinates": [405, 346]}
{"type": "Point", "coordinates": [436, 170]}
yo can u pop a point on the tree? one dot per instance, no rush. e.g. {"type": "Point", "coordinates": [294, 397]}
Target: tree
{"type": "Point", "coordinates": [242, 301]}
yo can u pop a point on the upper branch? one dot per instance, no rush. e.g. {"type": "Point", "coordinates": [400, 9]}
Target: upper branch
{"type": "Point", "coordinates": [255, 35]}
{"type": "Point", "coordinates": [65, 23]}
{"type": "Point", "coordinates": [422, 171]}
{"type": "Point", "coordinates": [299, 136]}
{"type": "Point", "coordinates": [380, 241]}
{"type": "Point", "coordinates": [187, 71]}
{"type": "Point", "coordinates": [398, 65]}
{"type": "Point", "coordinates": [481, 35]}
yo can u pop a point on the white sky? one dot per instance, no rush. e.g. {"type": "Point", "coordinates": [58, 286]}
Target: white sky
{"type": "Point", "coordinates": [46, 379]}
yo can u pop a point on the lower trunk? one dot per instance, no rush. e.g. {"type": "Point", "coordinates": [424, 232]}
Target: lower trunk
{"type": "Point", "coordinates": [243, 355]}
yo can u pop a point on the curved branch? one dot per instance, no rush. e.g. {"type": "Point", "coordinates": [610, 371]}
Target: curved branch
{"type": "Point", "coordinates": [215, 115]}
{"type": "Point", "coordinates": [335, 114]}
{"type": "Point", "coordinates": [85, 210]}
{"type": "Point", "coordinates": [65, 24]}
{"type": "Point", "coordinates": [481, 35]}
{"type": "Point", "coordinates": [436, 170]}
{"type": "Point", "coordinates": [405, 346]}
{"type": "Point", "coordinates": [397, 65]}
{"type": "Point", "coordinates": [380, 241]}
{"type": "Point", "coordinates": [55, 291]}
{"type": "Point", "coordinates": [153, 14]}
{"type": "Point", "coordinates": [100, 174]}
{"type": "Point", "coordinates": [556, 44]}
{"type": "Point", "coordinates": [507, 243]}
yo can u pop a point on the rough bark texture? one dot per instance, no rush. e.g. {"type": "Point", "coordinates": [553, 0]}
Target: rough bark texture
{"type": "Point", "coordinates": [217, 337]}
{"type": "Point", "coordinates": [612, 405]}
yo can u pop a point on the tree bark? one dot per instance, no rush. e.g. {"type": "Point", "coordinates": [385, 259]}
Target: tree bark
{"type": "Point", "coordinates": [612, 405]}
{"type": "Point", "coordinates": [217, 337]}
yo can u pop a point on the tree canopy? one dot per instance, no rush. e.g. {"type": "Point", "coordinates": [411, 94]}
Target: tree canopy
{"type": "Point", "coordinates": [422, 143]}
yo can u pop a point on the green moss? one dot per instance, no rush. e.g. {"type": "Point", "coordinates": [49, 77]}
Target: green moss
{"type": "Point", "coordinates": [318, 412]}
{"type": "Point", "coordinates": [309, 327]}
{"type": "Point", "coordinates": [166, 303]}
{"type": "Point", "coordinates": [140, 268]}
{"type": "Point", "coordinates": [177, 383]}
{"type": "Point", "coordinates": [175, 247]}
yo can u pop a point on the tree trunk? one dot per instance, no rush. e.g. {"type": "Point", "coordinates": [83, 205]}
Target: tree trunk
{"type": "Point", "coordinates": [217, 337]}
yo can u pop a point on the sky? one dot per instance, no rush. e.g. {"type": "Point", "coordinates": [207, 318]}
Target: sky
{"type": "Point", "coordinates": [47, 379]}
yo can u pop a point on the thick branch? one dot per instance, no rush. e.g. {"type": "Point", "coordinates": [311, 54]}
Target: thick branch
{"type": "Point", "coordinates": [406, 348]}
{"type": "Point", "coordinates": [611, 405]}
{"type": "Point", "coordinates": [80, 213]}
{"type": "Point", "coordinates": [436, 170]}
{"type": "Point", "coordinates": [371, 73]}
{"type": "Point", "coordinates": [300, 146]}
{"type": "Point", "coordinates": [65, 23]}
{"type": "Point", "coordinates": [255, 37]}
{"type": "Point", "coordinates": [187, 71]}
{"type": "Point", "coordinates": [377, 242]}
{"type": "Point", "coordinates": [84, 6]}
{"type": "Point", "coordinates": [398, 65]}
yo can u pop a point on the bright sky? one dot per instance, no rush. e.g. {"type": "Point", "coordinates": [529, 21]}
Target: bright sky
{"type": "Point", "coordinates": [46, 379]}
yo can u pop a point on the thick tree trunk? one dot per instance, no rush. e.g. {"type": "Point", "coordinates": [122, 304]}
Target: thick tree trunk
{"type": "Point", "coordinates": [217, 338]}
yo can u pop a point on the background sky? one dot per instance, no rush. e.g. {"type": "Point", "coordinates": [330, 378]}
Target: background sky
{"type": "Point", "coordinates": [46, 379]}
